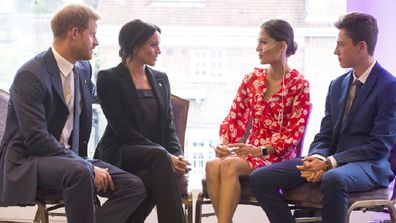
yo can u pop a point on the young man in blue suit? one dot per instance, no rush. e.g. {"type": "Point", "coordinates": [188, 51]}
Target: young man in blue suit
{"type": "Point", "coordinates": [48, 127]}
{"type": "Point", "coordinates": [351, 152]}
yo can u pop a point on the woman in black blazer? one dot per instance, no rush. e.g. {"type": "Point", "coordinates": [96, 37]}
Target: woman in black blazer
{"type": "Point", "coordinates": [140, 136]}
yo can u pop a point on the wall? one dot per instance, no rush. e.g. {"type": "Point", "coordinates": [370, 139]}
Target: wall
{"type": "Point", "coordinates": [384, 12]}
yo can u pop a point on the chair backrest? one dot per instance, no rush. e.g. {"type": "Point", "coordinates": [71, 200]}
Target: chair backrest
{"type": "Point", "coordinates": [180, 108]}
{"type": "Point", "coordinates": [300, 144]}
{"type": "Point", "coordinates": [4, 97]}
{"type": "Point", "coordinates": [392, 161]}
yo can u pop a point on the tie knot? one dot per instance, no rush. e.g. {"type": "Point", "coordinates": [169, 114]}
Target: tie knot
{"type": "Point", "coordinates": [358, 84]}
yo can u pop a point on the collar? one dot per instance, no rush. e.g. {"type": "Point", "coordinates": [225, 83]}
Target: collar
{"type": "Point", "coordinates": [64, 66]}
{"type": "Point", "coordinates": [364, 76]}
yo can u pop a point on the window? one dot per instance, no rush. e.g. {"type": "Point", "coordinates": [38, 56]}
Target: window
{"type": "Point", "coordinates": [318, 11]}
{"type": "Point", "coordinates": [198, 152]}
{"type": "Point", "coordinates": [7, 7]}
{"type": "Point", "coordinates": [207, 65]}
{"type": "Point", "coordinates": [178, 3]}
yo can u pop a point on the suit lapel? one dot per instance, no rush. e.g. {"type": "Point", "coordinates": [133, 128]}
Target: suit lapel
{"type": "Point", "coordinates": [341, 102]}
{"type": "Point", "coordinates": [130, 91]}
{"type": "Point", "coordinates": [159, 86]}
{"type": "Point", "coordinates": [85, 94]}
{"type": "Point", "coordinates": [54, 72]}
{"type": "Point", "coordinates": [82, 74]}
{"type": "Point", "coordinates": [363, 94]}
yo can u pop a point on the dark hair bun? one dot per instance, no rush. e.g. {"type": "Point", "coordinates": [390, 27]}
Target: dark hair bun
{"type": "Point", "coordinates": [293, 48]}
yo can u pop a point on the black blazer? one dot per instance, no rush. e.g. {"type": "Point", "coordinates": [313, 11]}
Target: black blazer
{"type": "Point", "coordinates": [36, 116]}
{"type": "Point", "coordinates": [122, 107]}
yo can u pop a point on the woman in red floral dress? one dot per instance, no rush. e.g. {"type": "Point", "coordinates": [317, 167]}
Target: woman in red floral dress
{"type": "Point", "coordinates": [277, 100]}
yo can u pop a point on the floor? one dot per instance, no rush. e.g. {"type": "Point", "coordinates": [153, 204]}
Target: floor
{"type": "Point", "coordinates": [244, 212]}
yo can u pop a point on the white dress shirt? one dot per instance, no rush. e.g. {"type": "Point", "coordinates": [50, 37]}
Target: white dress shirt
{"type": "Point", "coordinates": [67, 75]}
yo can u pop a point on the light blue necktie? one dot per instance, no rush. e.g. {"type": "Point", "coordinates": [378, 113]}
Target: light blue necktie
{"type": "Point", "coordinates": [76, 121]}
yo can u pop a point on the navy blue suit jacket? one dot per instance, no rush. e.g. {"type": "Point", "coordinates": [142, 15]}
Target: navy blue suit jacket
{"type": "Point", "coordinates": [36, 116]}
{"type": "Point", "coordinates": [121, 105]}
{"type": "Point", "coordinates": [369, 133]}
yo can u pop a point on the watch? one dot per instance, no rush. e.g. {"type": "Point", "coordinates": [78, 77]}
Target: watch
{"type": "Point", "coordinates": [264, 151]}
{"type": "Point", "coordinates": [328, 164]}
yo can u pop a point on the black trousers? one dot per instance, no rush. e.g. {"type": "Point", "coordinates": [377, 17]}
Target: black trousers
{"type": "Point", "coordinates": [153, 165]}
{"type": "Point", "coordinates": [75, 177]}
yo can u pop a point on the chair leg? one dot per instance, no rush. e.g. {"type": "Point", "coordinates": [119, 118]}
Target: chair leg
{"type": "Point", "coordinates": [41, 213]}
{"type": "Point", "coordinates": [198, 208]}
{"type": "Point", "coordinates": [392, 213]}
{"type": "Point", "coordinates": [185, 208]}
{"type": "Point", "coordinates": [348, 215]}
{"type": "Point", "coordinates": [189, 204]}
{"type": "Point", "coordinates": [37, 216]}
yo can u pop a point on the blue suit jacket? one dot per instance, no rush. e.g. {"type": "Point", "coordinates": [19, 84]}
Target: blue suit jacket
{"type": "Point", "coordinates": [36, 116]}
{"type": "Point", "coordinates": [369, 133]}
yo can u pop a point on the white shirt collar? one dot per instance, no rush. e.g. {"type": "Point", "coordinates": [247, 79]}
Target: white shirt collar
{"type": "Point", "coordinates": [65, 66]}
{"type": "Point", "coordinates": [364, 76]}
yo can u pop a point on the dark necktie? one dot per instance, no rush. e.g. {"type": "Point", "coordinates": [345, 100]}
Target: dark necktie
{"type": "Point", "coordinates": [353, 92]}
{"type": "Point", "coordinates": [76, 121]}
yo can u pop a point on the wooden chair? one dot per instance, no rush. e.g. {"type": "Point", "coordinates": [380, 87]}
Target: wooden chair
{"type": "Point", "coordinates": [247, 196]}
{"type": "Point", "coordinates": [47, 202]}
{"type": "Point", "coordinates": [180, 113]}
{"type": "Point", "coordinates": [4, 98]}
{"type": "Point", "coordinates": [309, 196]}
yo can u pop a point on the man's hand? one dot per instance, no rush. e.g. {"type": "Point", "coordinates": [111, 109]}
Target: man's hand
{"type": "Point", "coordinates": [312, 177]}
{"type": "Point", "coordinates": [312, 169]}
{"type": "Point", "coordinates": [179, 164]}
{"type": "Point", "coordinates": [103, 179]}
{"type": "Point", "coordinates": [312, 164]}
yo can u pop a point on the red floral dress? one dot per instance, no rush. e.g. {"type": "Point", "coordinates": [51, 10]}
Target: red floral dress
{"type": "Point", "coordinates": [280, 121]}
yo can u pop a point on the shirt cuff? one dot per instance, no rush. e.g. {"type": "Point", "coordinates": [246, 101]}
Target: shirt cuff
{"type": "Point", "coordinates": [319, 157]}
{"type": "Point", "coordinates": [333, 161]}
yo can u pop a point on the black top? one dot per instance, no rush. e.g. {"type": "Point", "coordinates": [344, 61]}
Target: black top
{"type": "Point", "coordinates": [149, 120]}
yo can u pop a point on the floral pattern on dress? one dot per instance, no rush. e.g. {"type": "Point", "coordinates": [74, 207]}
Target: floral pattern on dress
{"type": "Point", "coordinates": [280, 121]}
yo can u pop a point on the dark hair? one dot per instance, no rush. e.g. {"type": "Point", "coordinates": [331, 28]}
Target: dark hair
{"type": "Point", "coordinates": [360, 27]}
{"type": "Point", "coordinates": [70, 16]}
{"type": "Point", "coordinates": [133, 35]}
{"type": "Point", "coordinates": [281, 30]}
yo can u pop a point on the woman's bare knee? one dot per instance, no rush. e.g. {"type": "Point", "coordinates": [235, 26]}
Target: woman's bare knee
{"type": "Point", "coordinates": [213, 168]}
{"type": "Point", "coordinates": [234, 166]}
